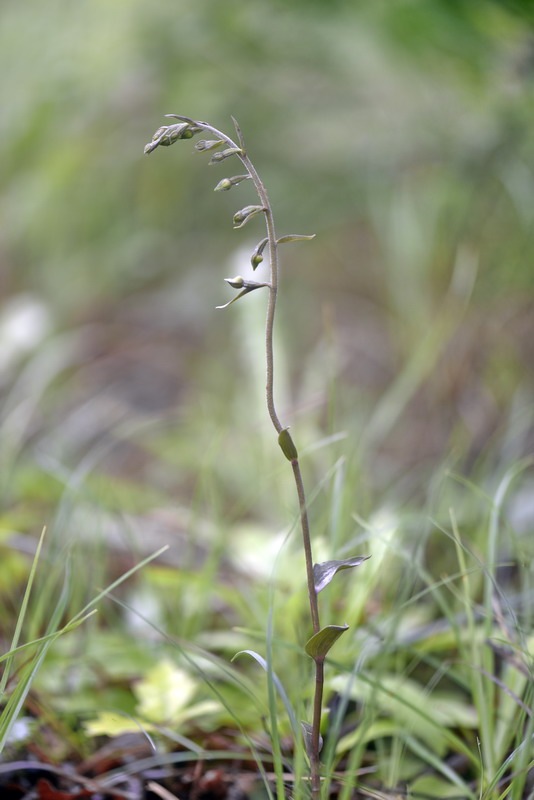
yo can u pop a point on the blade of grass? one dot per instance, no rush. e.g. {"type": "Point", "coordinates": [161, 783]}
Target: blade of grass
{"type": "Point", "coordinates": [70, 626]}
{"type": "Point", "coordinates": [183, 648]}
{"type": "Point", "coordinates": [22, 613]}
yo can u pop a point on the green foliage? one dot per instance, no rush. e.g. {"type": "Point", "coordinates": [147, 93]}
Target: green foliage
{"type": "Point", "coordinates": [164, 697]}
{"type": "Point", "coordinates": [403, 134]}
{"type": "Point", "coordinates": [444, 84]}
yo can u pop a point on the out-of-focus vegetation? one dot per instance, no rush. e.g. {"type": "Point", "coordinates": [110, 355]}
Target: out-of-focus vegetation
{"type": "Point", "coordinates": [399, 132]}
{"type": "Point", "coordinates": [132, 413]}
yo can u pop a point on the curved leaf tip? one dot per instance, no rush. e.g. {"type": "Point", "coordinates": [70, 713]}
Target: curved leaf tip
{"type": "Point", "coordinates": [324, 572]}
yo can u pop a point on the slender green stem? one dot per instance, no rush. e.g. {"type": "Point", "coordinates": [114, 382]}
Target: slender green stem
{"type": "Point", "coordinates": [273, 292]}
{"type": "Point", "coordinates": [303, 510]}
{"type": "Point", "coordinates": [271, 406]}
{"type": "Point", "coordinates": [304, 521]}
{"type": "Point", "coordinates": [306, 541]}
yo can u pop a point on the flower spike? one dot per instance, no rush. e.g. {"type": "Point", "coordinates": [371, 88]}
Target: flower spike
{"type": "Point", "coordinates": [169, 134]}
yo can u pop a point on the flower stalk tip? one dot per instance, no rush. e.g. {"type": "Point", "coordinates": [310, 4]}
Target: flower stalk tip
{"type": "Point", "coordinates": [169, 134]}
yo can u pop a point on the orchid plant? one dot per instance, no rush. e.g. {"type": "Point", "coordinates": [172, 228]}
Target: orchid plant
{"type": "Point", "coordinates": [221, 147]}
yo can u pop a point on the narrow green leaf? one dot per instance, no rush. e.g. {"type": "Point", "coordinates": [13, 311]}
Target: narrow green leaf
{"type": "Point", "coordinates": [324, 572]}
{"type": "Point", "coordinates": [295, 237]}
{"type": "Point", "coordinates": [22, 613]}
{"type": "Point", "coordinates": [240, 138]}
{"type": "Point", "coordinates": [70, 626]}
{"type": "Point", "coordinates": [320, 643]}
{"type": "Point", "coordinates": [234, 299]}
{"type": "Point", "coordinates": [121, 579]}
{"type": "Point", "coordinates": [277, 682]}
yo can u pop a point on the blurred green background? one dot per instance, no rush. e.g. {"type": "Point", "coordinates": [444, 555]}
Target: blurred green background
{"type": "Point", "coordinates": [132, 413]}
{"type": "Point", "coordinates": [401, 133]}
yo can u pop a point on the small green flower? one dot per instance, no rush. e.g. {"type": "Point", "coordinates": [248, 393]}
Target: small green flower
{"type": "Point", "coordinates": [241, 217]}
{"type": "Point", "coordinates": [227, 183]}
{"type": "Point", "coordinates": [257, 256]}
{"type": "Point", "coordinates": [230, 151]}
{"type": "Point", "coordinates": [241, 283]}
{"type": "Point", "coordinates": [236, 283]}
{"type": "Point", "coordinates": [207, 144]}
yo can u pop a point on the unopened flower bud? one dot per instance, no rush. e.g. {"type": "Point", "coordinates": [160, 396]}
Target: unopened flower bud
{"type": "Point", "coordinates": [230, 151]}
{"type": "Point", "coordinates": [257, 256]}
{"type": "Point", "coordinates": [240, 283]}
{"type": "Point", "coordinates": [227, 183]}
{"type": "Point", "coordinates": [207, 144]}
{"type": "Point", "coordinates": [243, 216]}
{"type": "Point", "coordinates": [236, 283]}
{"type": "Point", "coordinates": [224, 185]}
{"type": "Point", "coordinates": [295, 237]}
{"type": "Point", "coordinates": [169, 134]}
